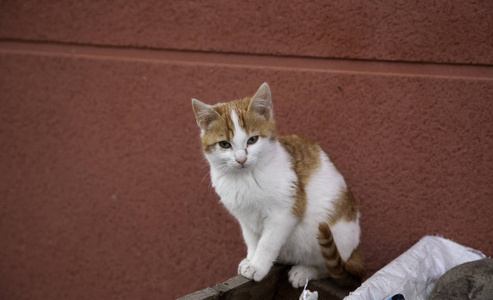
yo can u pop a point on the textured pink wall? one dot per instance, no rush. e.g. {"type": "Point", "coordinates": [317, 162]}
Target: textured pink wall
{"type": "Point", "coordinates": [436, 31]}
{"type": "Point", "coordinates": [104, 192]}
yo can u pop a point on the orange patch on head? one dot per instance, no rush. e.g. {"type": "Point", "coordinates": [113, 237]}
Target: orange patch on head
{"type": "Point", "coordinates": [222, 128]}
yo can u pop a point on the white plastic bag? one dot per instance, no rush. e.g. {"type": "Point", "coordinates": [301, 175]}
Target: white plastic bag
{"type": "Point", "coordinates": [307, 294]}
{"type": "Point", "coordinates": [414, 273]}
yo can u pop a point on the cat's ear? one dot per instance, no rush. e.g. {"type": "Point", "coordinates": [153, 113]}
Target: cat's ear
{"type": "Point", "coordinates": [262, 102]}
{"type": "Point", "coordinates": [203, 113]}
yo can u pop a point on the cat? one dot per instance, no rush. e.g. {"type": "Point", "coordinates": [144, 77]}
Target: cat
{"type": "Point", "coordinates": [292, 204]}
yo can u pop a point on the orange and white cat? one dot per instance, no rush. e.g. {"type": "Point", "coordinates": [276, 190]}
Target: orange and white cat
{"type": "Point", "coordinates": [292, 204]}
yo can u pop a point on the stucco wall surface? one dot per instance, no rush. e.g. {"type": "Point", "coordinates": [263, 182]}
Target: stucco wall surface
{"type": "Point", "coordinates": [439, 31]}
{"type": "Point", "coordinates": [106, 194]}
{"type": "Point", "coordinates": [104, 191]}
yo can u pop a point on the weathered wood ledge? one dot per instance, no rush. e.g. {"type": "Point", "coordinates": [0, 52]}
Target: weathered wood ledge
{"type": "Point", "coordinates": [274, 286]}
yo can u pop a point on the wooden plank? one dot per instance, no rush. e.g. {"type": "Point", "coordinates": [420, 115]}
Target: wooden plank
{"type": "Point", "coordinates": [239, 287]}
{"type": "Point", "coordinates": [275, 286]}
{"type": "Point", "coordinates": [205, 294]}
{"type": "Point", "coordinates": [327, 289]}
{"type": "Point", "coordinates": [248, 289]}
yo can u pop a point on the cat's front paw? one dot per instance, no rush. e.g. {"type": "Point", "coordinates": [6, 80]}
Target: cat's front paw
{"type": "Point", "coordinates": [251, 271]}
{"type": "Point", "coordinates": [242, 265]}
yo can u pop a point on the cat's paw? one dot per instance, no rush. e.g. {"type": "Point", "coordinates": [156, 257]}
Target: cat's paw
{"type": "Point", "coordinates": [242, 265]}
{"type": "Point", "coordinates": [299, 274]}
{"type": "Point", "coordinates": [251, 271]}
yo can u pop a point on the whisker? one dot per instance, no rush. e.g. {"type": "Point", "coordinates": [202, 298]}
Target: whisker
{"type": "Point", "coordinates": [205, 176]}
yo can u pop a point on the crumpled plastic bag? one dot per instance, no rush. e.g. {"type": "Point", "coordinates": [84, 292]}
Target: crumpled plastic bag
{"type": "Point", "coordinates": [414, 273]}
{"type": "Point", "coordinates": [307, 294]}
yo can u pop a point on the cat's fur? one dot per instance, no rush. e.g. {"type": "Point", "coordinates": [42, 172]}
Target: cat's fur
{"type": "Point", "coordinates": [291, 202]}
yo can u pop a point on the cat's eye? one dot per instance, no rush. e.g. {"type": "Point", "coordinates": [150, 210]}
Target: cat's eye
{"type": "Point", "coordinates": [224, 144]}
{"type": "Point", "coordinates": [252, 140]}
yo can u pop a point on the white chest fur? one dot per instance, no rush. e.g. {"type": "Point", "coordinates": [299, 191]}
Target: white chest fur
{"type": "Point", "coordinates": [253, 194]}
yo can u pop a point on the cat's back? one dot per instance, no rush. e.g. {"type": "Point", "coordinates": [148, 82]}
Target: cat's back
{"type": "Point", "coordinates": [319, 181]}
{"type": "Point", "coordinates": [320, 190]}
{"type": "Point", "coordinates": [304, 153]}
{"type": "Point", "coordinates": [307, 157]}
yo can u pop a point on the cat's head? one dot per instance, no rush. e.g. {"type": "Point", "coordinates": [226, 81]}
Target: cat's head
{"type": "Point", "coordinates": [240, 134]}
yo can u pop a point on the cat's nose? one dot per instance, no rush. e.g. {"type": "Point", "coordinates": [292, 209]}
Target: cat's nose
{"type": "Point", "coordinates": [241, 157]}
{"type": "Point", "coordinates": [241, 161]}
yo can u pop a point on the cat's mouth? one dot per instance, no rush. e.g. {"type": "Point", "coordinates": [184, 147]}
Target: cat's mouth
{"type": "Point", "coordinates": [240, 166]}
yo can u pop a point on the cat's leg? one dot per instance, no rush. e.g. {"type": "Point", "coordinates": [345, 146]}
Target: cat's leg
{"type": "Point", "coordinates": [299, 274]}
{"type": "Point", "coordinates": [251, 241]}
{"type": "Point", "coordinates": [276, 231]}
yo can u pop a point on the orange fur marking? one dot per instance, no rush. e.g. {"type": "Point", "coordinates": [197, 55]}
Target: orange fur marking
{"type": "Point", "coordinates": [345, 207]}
{"type": "Point", "coordinates": [305, 158]}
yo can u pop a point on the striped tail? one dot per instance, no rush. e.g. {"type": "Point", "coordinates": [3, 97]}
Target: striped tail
{"type": "Point", "coordinates": [347, 273]}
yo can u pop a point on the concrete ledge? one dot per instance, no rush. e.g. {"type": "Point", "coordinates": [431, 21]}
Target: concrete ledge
{"type": "Point", "coordinates": [307, 64]}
